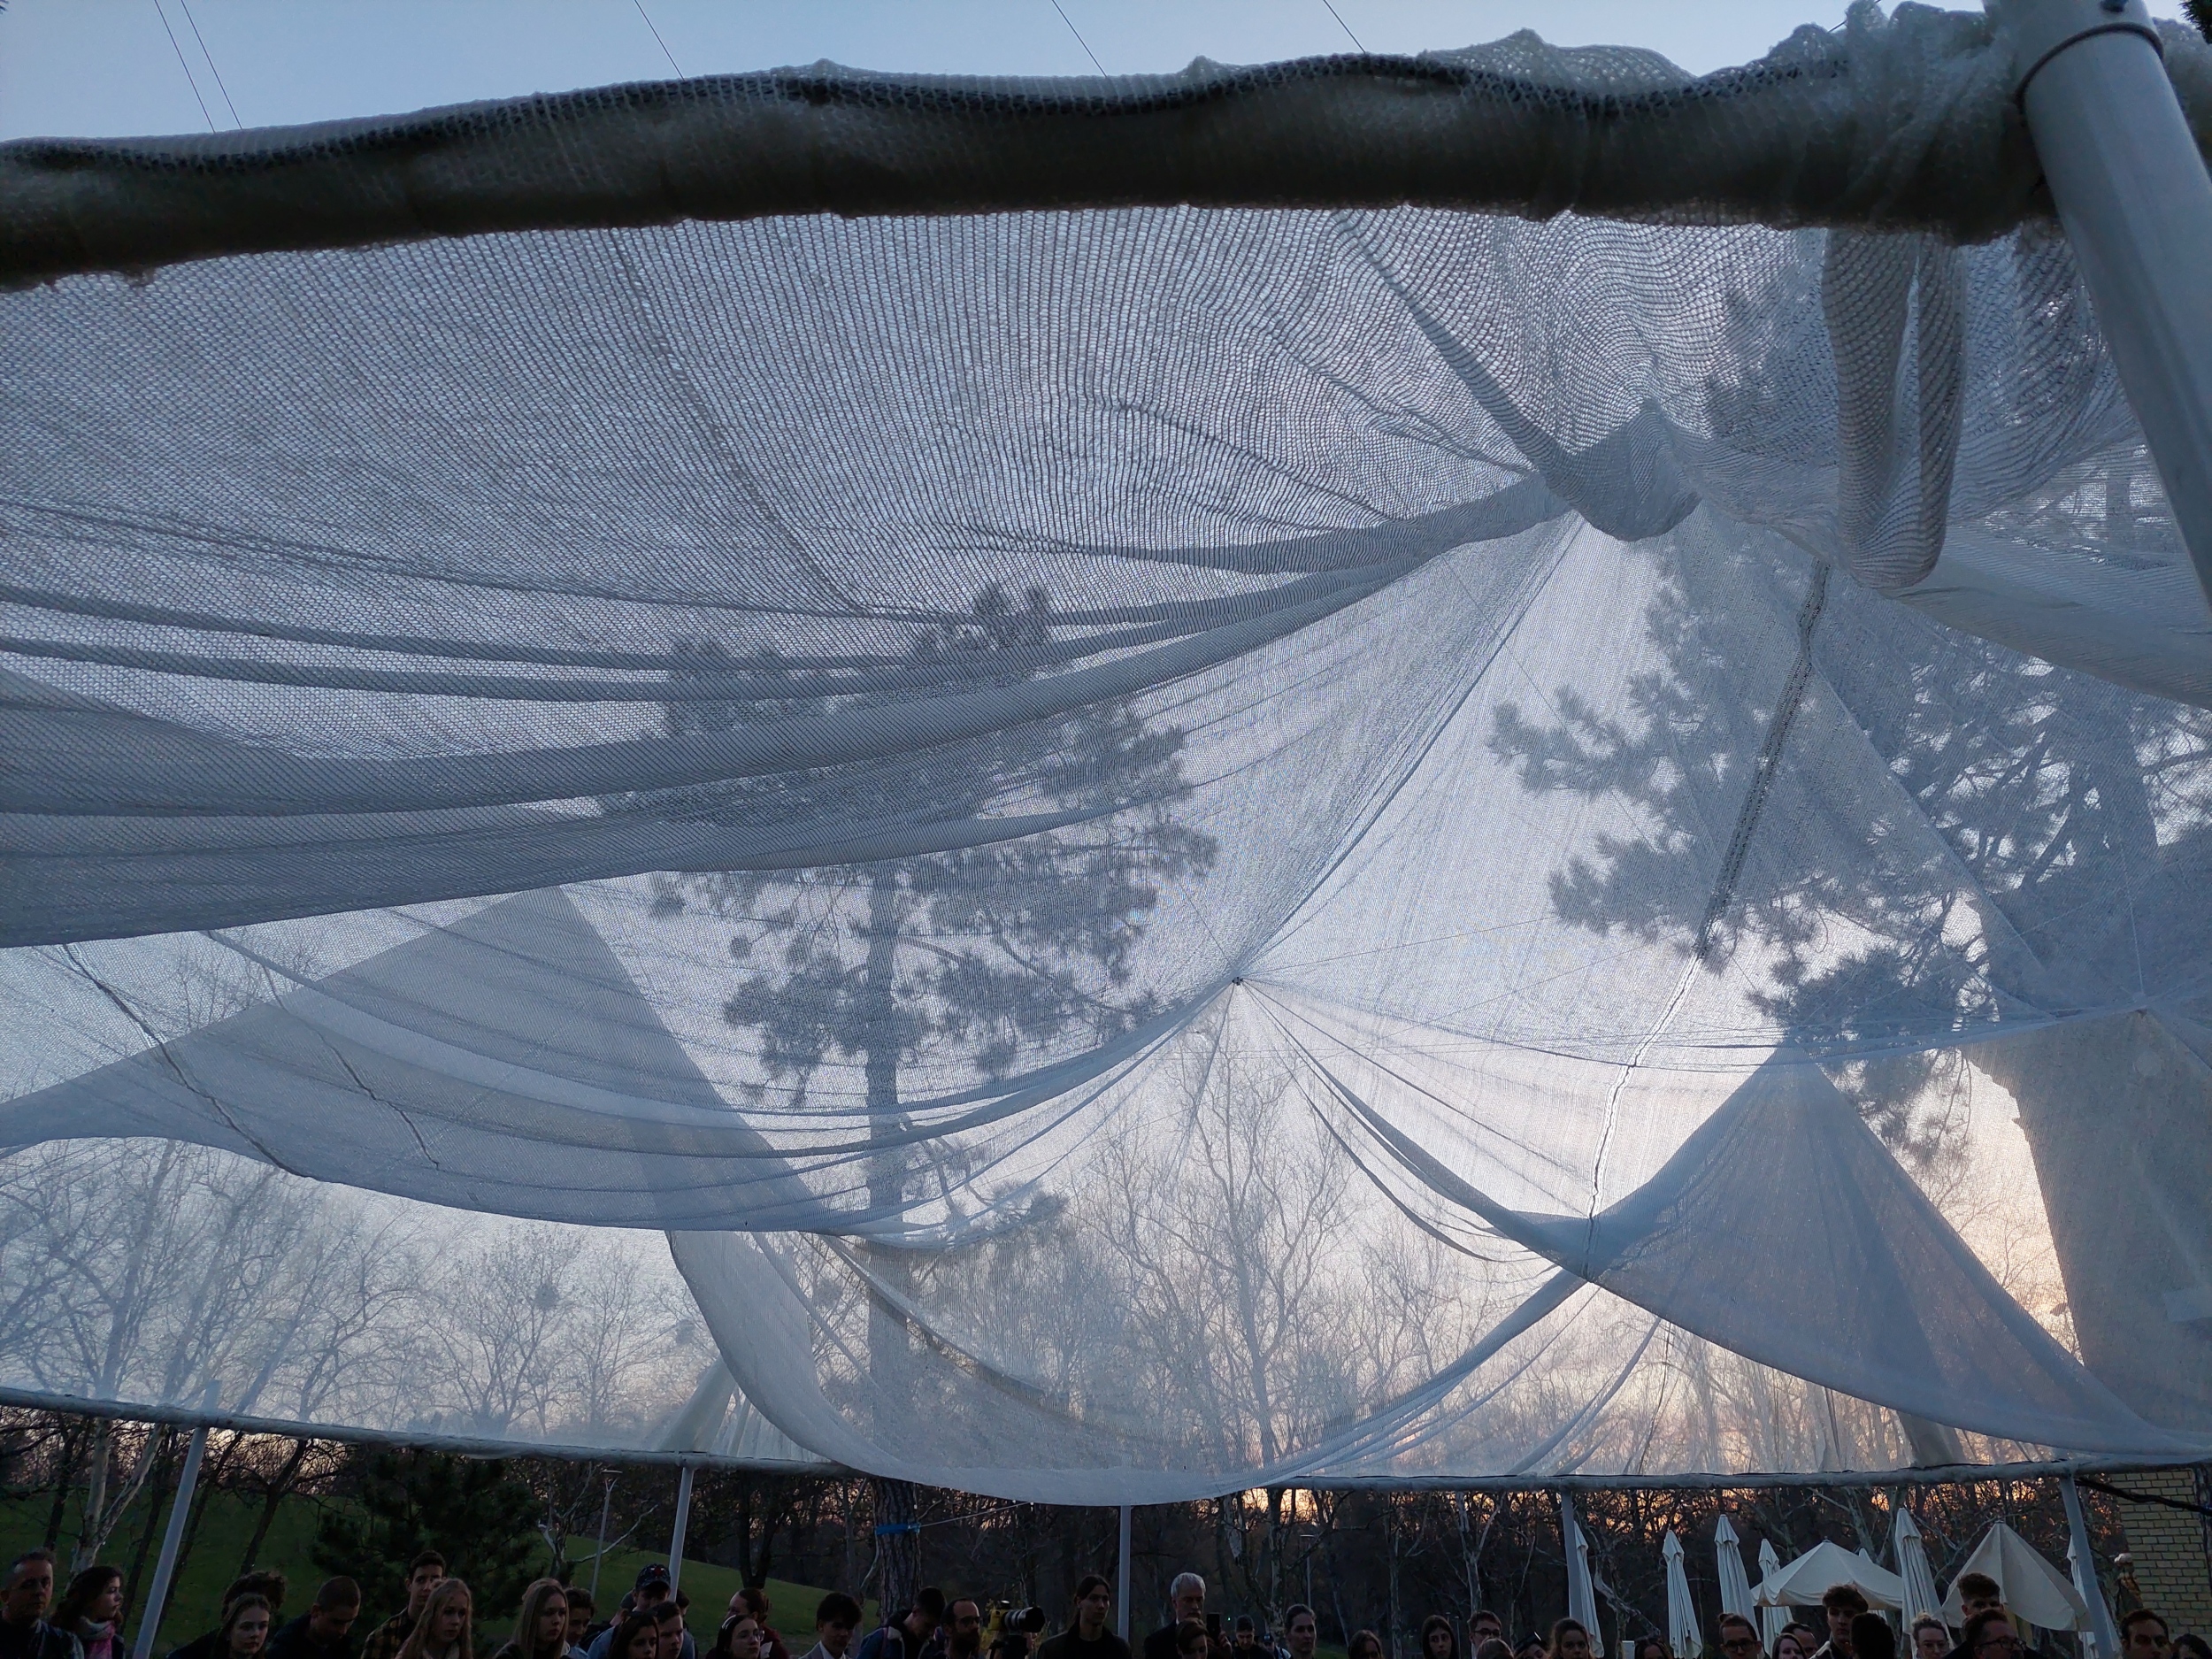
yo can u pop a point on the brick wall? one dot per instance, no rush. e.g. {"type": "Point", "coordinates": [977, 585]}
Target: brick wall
{"type": "Point", "coordinates": [2172, 1548]}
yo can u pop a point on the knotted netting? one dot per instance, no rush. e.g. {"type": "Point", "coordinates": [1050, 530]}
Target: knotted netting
{"type": "Point", "coordinates": [1475, 768]}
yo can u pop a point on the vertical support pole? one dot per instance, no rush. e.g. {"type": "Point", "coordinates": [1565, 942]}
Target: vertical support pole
{"type": "Point", "coordinates": [1121, 1579]}
{"type": "Point", "coordinates": [2132, 191]}
{"type": "Point", "coordinates": [683, 1522]}
{"type": "Point", "coordinates": [171, 1541]}
{"type": "Point", "coordinates": [2085, 1583]}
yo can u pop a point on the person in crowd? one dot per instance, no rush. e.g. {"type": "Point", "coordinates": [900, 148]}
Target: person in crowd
{"type": "Point", "coordinates": [1484, 1626]}
{"type": "Point", "coordinates": [1796, 1641]}
{"type": "Point", "coordinates": [540, 1624]}
{"type": "Point", "coordinates": [835, 1619]}
{"type": "Point", "coordinates": [771, 1644]}
{"type": "Point", "coordinates": [1493, 1649]}
{"type": "Point", "coordinates": [1089, 1637]}
{"type": "Point", "coordinates": [1532, 1647]}
{"type": "Point", "coordinates": [1191, 1640]}
{"type": "Point", "coordinates": [668, 1613]}
{"type": "Point", "coordinates": [1440, 1640]}
{"type": "Point", "coordinates": [91, 1611]}
{"type": "Point", "coordinates": [245, 1627]}
{"type": "Point", "coordinates": [1245, 1644]}
{"type": "Point", "coordinates": [904, 1637]}
{"type": "Point", "coordinates": [269, 1586]}
{"type": "Point", "coordinates": [1186, 1603]}
{"type": "Point", "coordinates": [1842, 1604]}
{"type": "Point", "coordinates": [1652, 1648]}
{"type": "Point", "coordinates": [1302, 1631]}
{"type": "Point", "coordinates": [2189, 1644]}
{"type": "Point", "coordinates": [1569, 1639]}
{"type": "Point", "coordinates": [1740, 1638]}
{"type": "Point", "coordinates": [2144, 1635]}
{"type": "Point", "coordinates": [425, 1573]}
{"type": "Point", "coordinates": [1871, 1637]}
{"type": "Point", "coordinates": [325, 1630]}
{"type": "Point", "coordinates": [960, 1635]}
{"type": "Point", "coordinates": [635, 1635]}
{"type": "Point", "coordinates": [25, 1632]}
{"type": "Point", "coordinates": [443, 1631]}
{"type": "Point", "coordinates": [739, 1637]}
{"type": "Point", "coordinates": [1930, 1637]}
{"type": "Point", "coordinates": [1989, 1635]}
{"type": "Point", "coordinates": [646, 1593]}
{"type": "Point", "coordinates": [1978, 1593]}
{"type": "Point", "coordinates": [1365, 1644]}
{"type": "Point", "coordinates": [583, 1617]}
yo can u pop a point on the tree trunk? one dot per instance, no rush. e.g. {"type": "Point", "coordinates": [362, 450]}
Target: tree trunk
{"type": "Point", "coordinates": [65, 1477]}
{"type": "Point", "coordinates": [898, 1547]}
{"type": "Point", "coordinates": [280, 1487]}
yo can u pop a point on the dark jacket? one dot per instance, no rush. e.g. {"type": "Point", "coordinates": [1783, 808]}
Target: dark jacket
{"type": "Point", "coordinates": [37, 1641]}
{"type": "Point", "coordinates": [1068, 1645]}
{"type": "Point", "coordinates": [292, 1640]}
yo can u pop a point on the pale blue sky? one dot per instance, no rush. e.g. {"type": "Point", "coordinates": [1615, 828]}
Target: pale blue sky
{"type": "Point", "coordinates": [109, 67]}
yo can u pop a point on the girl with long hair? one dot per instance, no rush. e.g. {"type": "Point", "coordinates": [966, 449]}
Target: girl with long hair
{"type": "Point", "coordinates": [636, 1636]}
{"type": "Point", "coordinates": [739, 1637]}
{"type": "Point", "coordinates": [1569, 1639]}
{"type": "Point", "coordinates": [443, 1631]}
{"type": "Point", "coordinates": [542, 1625]}
{"type": "Point", "coordinates": [1439, 1640]}
{"type": "Point", "coordinates": [1364, 1645]}
{"type": "Point", "coordinates": [245, 1630]}
{"type": "Point", "coordinates": [91, 1611]}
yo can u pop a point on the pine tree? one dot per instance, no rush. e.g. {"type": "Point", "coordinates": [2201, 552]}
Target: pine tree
{"type": "Point", "coordinates": [476, 1515]}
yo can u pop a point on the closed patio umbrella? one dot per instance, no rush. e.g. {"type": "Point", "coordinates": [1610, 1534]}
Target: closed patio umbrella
{"type": "Point", "coordinates": [1735, 1585]}
{"type": "Point", "coordinates": [1682, 1633]}
{"type": "Point", "coordinates": [1912, 1566]}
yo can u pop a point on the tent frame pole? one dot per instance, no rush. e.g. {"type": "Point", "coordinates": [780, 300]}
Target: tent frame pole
{"type": "Point", "coordinates": [171, 1542]}
{"type": "Point", "coordinates": [682, 1525]}
{"type": "Point", "coordinates": [2100, 1625]}
{"type": "Point", "coordinates": [2133, 193]}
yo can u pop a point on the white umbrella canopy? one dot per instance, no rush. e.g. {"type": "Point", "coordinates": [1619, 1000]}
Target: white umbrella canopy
{"type": "Point", "coordinates": [1735, 1585]}
{"type": "Point", "coordinates": [2032, 1588]}
{"type": "Point", "coordinates": [1772, 1620]}
{"type": "Point", "coordinates": [1682, 1633]}
{"type": "Point", "coordinates": [1912, 1566]}
{"type": "Point", "coordinates": [1804, 1580]}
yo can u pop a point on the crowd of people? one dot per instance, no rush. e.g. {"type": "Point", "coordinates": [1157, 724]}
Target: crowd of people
{"type": "Point", "coordinates": [556, 1621]}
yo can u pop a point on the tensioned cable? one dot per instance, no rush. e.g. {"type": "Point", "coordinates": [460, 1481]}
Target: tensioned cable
{"type": "Point", "coordinates": [1079, 41]}
{"type": "Point", "coordinates": [190, 79]}
{"type": "Point", "coordinates": [212, 68]}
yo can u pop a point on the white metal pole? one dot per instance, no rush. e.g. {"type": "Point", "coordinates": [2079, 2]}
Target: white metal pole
{"type": "Point", "coordinates": [171, 1540]}
{"type": "Point", "coordinates": [1121, 1579]}
{"type": "Point", "coordinates": [683, 1521]}
{"type": "Point", "coordinates": [2132, 191]}
{"type": "Point", "coordinates": [2085, 1583]}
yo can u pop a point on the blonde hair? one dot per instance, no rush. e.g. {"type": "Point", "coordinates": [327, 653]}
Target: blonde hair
{"type": "Point", "coordinates": [417, 1643]}
{"type": "Point", "coordinates": [534, 1602]}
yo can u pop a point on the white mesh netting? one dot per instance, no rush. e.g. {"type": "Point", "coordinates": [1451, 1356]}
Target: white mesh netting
{"type": "Point", "coordinates": [1173, 846]}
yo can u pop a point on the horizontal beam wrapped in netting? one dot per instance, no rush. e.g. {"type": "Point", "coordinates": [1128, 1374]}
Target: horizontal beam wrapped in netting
{"type": "Point", "coordinates": [1905, 123]}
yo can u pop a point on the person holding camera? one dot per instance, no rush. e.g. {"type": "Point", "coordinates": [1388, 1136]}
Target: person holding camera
{"type": "Point", "coordinates": [1088, 1638]}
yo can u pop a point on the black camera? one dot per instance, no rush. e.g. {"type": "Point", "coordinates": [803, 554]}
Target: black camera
{"type": "Point", "coordinates": [1027, 1621]}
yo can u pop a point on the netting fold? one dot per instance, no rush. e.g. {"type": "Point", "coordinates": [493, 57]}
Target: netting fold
{"type": "Point", "coordinates": [1269, 831]}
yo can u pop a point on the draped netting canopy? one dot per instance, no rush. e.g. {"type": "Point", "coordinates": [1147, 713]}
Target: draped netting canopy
{"type": "Point", "coordinates": [1492, 767]}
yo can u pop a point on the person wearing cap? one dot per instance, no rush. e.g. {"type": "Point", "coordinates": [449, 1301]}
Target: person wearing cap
{"type": "Point", "coordinates": [650, 1589]}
